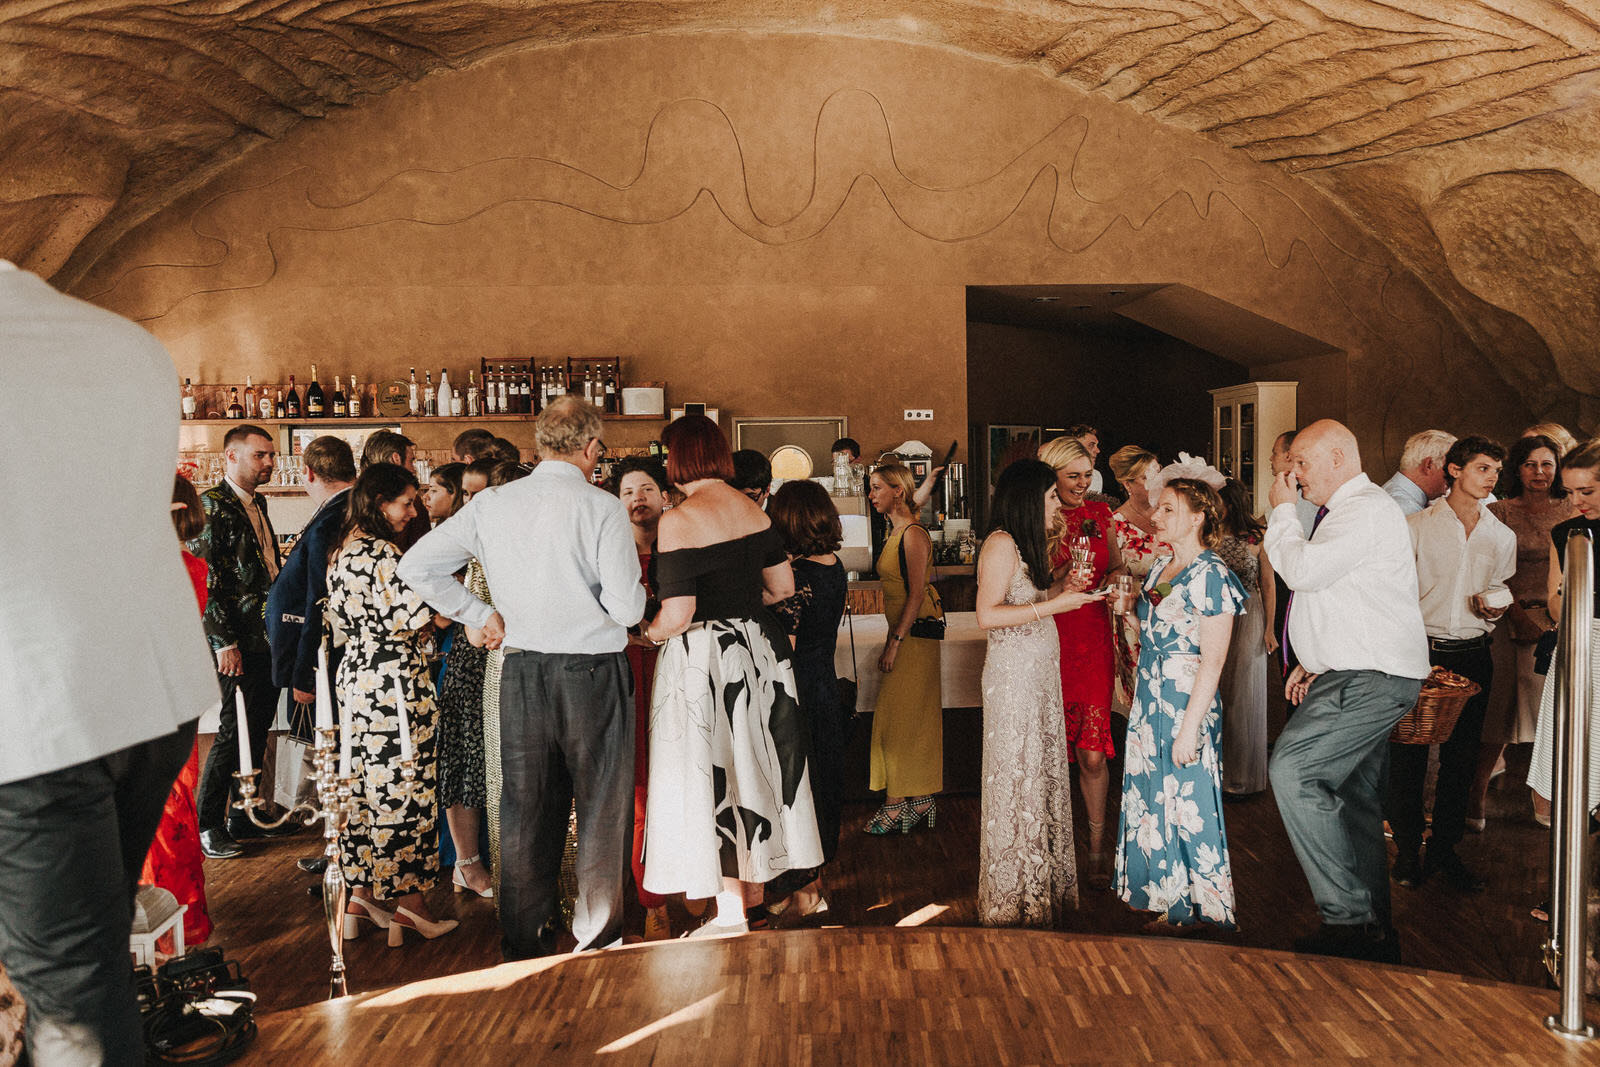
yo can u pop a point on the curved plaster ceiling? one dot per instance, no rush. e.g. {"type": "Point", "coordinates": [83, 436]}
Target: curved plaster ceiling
{"type": "Point", "coordinates": [1465, 134]}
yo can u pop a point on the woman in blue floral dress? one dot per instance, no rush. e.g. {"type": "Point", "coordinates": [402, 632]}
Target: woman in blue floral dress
{"type": "Point", "coordinates": [1172, 851]}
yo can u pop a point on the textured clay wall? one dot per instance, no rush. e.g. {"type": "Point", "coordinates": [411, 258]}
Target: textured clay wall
{"type": "Point", "coordinates": [774, 224]}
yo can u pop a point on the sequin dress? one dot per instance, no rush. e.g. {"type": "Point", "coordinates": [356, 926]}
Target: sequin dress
{"type": "Point", "coordinates": [1027, 873]}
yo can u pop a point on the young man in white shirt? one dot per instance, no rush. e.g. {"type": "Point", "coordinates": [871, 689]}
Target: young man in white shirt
{"type": "Point", "coordinates": [560, 556]}
{"type": "Point", "coordinates": [1464, 557]}
{"type": "Point", "coordinates": [1358, 633]}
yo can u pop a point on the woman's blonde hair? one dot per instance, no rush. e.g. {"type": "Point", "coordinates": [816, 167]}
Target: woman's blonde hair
{"type": "Point", "coordinates": [1201, 498]}
{"type": "Point", "coordinates": [1558, 433]}
{"type": "Point", "coordinates": [1059, 451]}
{"type": "Point", "coordinates": [1129, 460]}
{"type": "Point", "coordinates": [898, 476]}
{"type": "Point", "coordinates": [1585, 457]}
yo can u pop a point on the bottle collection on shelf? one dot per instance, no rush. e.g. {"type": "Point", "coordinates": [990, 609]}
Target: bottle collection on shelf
{"type": "Point", "coordinates": [508, 389]}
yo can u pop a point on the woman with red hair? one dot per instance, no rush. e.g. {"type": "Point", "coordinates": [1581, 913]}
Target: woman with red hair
{"type": "Point", "coordinates": [729, 803]}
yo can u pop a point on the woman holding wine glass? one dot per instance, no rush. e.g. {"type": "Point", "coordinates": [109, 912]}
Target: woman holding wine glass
{"type": "Point", "coordinates": [1084, 551]}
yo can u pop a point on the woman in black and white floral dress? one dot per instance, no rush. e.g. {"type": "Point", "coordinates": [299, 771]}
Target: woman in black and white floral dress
{"type": "Point", "coordinates": [729, 803]}
{"type": "Point", "coordinates": [389, 848]}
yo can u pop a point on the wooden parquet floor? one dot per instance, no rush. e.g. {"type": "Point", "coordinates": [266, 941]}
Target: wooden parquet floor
{"type": "Point", "coordinates": [928, 995]}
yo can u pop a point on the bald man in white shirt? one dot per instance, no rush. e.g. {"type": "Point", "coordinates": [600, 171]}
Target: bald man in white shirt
{"type": "Point", "coordinates": [104, 664]}
{"type": "Point", "coordinates": [1357, 629]}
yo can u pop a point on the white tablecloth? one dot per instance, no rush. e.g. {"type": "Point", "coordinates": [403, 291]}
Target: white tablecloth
{"type": "Point", "coordinates": [960, 660]}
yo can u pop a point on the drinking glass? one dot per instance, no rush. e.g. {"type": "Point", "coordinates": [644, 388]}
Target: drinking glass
{"type": "Point", "coordinates": [1082, 556]}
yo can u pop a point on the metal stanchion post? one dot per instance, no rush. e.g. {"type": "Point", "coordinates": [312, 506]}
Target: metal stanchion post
{"type": "Point", "coordinates": [1570, 810]}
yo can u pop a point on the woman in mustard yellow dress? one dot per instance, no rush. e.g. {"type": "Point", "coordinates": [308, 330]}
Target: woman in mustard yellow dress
{"type": "Point", "coordinates": [908, 722]}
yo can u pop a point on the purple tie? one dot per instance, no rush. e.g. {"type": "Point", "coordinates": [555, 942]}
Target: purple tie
{"type": "Point", "coordinates": [1283, 638]}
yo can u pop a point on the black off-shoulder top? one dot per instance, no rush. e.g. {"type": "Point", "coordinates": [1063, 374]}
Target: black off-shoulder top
{"type": "Point", "coordinates": [724, 578]}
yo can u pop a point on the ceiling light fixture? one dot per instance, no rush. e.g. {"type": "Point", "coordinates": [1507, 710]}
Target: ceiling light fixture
{"type": "Point", "coordinates": [1045, 299]}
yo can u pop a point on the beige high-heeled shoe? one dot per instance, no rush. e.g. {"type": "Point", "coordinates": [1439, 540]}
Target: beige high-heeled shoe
{"type": "Point", "coordinates": [406, 919]}
{"type": "Point", "coordinates": [369, 912]}
{"type": "Point", "coordinates": [459, 880]}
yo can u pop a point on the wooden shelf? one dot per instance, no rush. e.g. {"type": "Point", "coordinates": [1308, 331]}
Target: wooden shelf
{"type": "Point", "coordinates": [381, 421]}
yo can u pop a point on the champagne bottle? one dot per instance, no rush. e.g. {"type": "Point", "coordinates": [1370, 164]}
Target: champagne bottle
{"type": "Point", "coordinates": [291, 402]}
{"type": "Point", "coordinates": [428, 403]}
{"type": "Point", "coordinates": [415, 407]}
{"type": "Point", "coordinates": [339, 408]}
{"type": "Point", "coordinates": [281, 411]}
{"type": "Point", "coordinates": [235, 409]}
{"type": "Point", "coordinates": [353, 406]}
{"type": "Point", "coordinates": [249, 396]}
{"type": "Point", "coordinates": [188, 401]}
{"type": "Point", "coordinates": [444, 391]}
{"type": "Point", "coordinates": [472, 393]}
{"type": "Point", "coordinates": [316, 403]}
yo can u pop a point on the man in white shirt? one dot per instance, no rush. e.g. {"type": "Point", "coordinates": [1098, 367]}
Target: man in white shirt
{"type": "Point", "coordinates": [103, 665]}
{"type": "Point", "coordinates": [1358, 633]}
{"type": "Point", "coordinates": [559, 555]}
{"type": "Point", "coordinates": [1307, 512]}
{"type": "Point", "coordinates": [1420, 479]}
{"type": "Point", "coordinates": [1464, 557]}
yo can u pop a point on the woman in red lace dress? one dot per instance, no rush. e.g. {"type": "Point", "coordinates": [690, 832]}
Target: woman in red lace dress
{"type": "Point", "coordinates": [174, 861]}
{"type": "Point", "coordinates": [1087, 666]}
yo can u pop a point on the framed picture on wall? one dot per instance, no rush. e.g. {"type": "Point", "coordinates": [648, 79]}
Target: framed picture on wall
{"type": "Point", "coordinates": [1006, 445]}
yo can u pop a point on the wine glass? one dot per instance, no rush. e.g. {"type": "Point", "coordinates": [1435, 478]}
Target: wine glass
{"type": "Point", "coordinates": [1081, 553]}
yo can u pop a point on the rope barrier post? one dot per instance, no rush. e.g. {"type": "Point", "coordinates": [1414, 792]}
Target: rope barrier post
{"type": "Point", "coordinates": [1570, 810]}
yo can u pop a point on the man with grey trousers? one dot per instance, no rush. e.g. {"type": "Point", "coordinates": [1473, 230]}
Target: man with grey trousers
{"type": "Point", "coordinates": [1357, 629]}
{"type": "Point", "coordinates": [559, 554]}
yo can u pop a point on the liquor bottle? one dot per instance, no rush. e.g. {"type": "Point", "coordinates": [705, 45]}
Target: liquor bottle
{"type": "Point", "coordinates": [278, 409]}
{"type": "Point", "coordinates": [316, 403]}
{"type": "Point", "coordinates": [525, 392]}
{"type": "Point", "coordinates": [444, 391]}
{"type": "Point", "coordinates": [415, 407]}
{"type": "Point", "coordinates": [264, 404]}
{"type": "Point", "coordinates": [291, 402]}
{"type": "Point", "coordinates": [249, 396]}
{"type": "Point", "coordinates": [235, 409]}
{"type": "Point", "coordinates": [188, 399]}
{"type": "Point", "coordinates": [339, 408]}
{"type": "Point", "coordinates": [599, 390]}
{"type": "Point", "coordinates": [429, 405]}
{"type": "Point", "coordinates": [472, 393]}
{"type": "Point", "coordinates": [588, 386]}
{"type": "Point", "coordinates": [611, 393]}
{"type": "Point", "coordinates": [353, 405]}
{"type": "Point", "coordinates": [504, 388]}
{"type": "Point", "coordinates": [458, 407]}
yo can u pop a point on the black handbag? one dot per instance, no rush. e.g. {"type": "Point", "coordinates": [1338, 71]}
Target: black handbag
{"type": "Point", "coordinates": [928, 627]}
{"type": "Point", "coordinates": [849, 688]}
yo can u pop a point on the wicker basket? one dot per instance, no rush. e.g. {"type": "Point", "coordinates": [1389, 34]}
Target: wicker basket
{"type": "Point", "coordinates": [1444, 694]}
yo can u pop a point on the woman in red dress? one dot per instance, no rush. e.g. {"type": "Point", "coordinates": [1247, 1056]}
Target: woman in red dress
{"type": "Point", "coordinates": [1088, 667]}
{"type": "Point", "coordinates": [174, 861]}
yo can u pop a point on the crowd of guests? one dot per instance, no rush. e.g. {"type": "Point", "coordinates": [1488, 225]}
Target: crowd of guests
{"type": "Point", "coordinates": [658, 656]}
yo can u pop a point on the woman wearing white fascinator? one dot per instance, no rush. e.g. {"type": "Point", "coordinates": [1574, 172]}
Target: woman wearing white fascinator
{"type": "Point", "coordinates": [1172, 851]}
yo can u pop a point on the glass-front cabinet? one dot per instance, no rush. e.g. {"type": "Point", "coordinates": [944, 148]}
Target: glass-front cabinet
{"type": "Point", "coordinates": [1245, 421]}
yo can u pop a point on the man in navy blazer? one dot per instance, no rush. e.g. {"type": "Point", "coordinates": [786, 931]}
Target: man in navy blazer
{"type": "Point", "coordinates": [294, 605]}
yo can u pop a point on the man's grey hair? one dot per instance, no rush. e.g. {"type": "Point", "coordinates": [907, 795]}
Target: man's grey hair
{"type": "Point", "coordinates": [1429, 444]}
{"type": "Point", "coordinates": [566, 426]}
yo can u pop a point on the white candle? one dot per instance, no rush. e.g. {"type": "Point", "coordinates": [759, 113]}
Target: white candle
{"type": "Point", "coordinates": [324, 699]}
{"type": "Point", "coordinates": [405, 723]}
{"type": "Point", "coordinates": [245, 766]}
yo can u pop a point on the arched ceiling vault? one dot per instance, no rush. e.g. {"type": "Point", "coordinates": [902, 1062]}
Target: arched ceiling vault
{"type": "Point", "coordinates": [1465, 134]}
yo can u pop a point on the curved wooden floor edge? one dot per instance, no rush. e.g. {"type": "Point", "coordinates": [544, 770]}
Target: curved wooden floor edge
{"type": "Point", "coordinates": [931, 995]}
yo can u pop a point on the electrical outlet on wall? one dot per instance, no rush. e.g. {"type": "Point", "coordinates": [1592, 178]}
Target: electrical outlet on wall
{"type": "Point", "coordinates": [919, 414]}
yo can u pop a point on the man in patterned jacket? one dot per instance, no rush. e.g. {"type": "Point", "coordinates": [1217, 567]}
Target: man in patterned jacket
{"type": "Point", "coordinates": [241, 551]}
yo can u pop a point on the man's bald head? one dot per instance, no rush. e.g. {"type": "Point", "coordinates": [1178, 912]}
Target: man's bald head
{"type": "Point", "coordinates": [1324, 456]}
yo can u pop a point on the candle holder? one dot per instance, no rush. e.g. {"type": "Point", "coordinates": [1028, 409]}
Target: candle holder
{"type": "Point", "coordinates": [336, 803]}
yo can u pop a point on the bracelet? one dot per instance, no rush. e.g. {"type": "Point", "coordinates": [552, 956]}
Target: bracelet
{"type": "Point", "coordinates": [644, 632]}
{"type": "Point", "coordinates": [1035, 608]}
{"type": "Point", "coordinates": [897, 638]}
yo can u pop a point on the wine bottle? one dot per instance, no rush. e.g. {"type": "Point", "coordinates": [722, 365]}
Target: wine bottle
{"type": "Point", "coordinates": [235, 409]}
{"type": "Point", "coordinates": [188, 401]}
{"type": "Point", "coordinates": [249, 396]}
{"type": "Point", "coordinates": [281, 411]}
{"type": "Point", "coordinates": [525, 391]}
{"type": "Point", "coordinates": [611, 392]}
{"type": "Point", "coordinates": [472, 393]}
{"type": "Point", "coordinates": [316, 403]}
{"type": "Point", "coordinates": [353, 405]}
{"type": "Point", "coordinates": [339, 408]}
{"type": "Point", "coordinates": [428, 403]}
{"type": "Point", "coordinates": [503, 387]}
{"type": "Point", "coordinates": [415, 408]}
{"type": "Point", "coordinates": [291, 402]}
{"type": "Point", "coordinates": [444, 391]}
